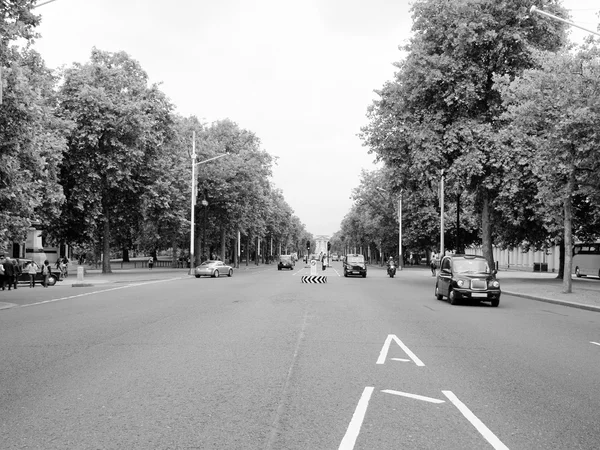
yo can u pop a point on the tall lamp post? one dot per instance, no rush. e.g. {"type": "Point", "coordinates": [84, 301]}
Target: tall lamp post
{"type": "Point", "coordinates": [400, 260]}
{"type": "Point", "coordinates": [193, 201]}
{"type": "Point", "coordinates": [536, 10]}
{"type": "Point", "coordinates": [442, 216]}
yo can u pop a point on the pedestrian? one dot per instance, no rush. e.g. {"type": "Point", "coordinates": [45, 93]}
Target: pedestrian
{"type": "Point", "coordinates": [18, 272]}
{"type": "Point", "coordinates": [2, 276]}
{"type": "Point", "coordinates": [433, 263]}
{"type": "Point", "coordinates": [150, 263]}
{"type": "Point", "coordinates": [46, 273]}
{"type": "Point", "coordinates": [324, 262]}
{"type": "Point", "coordinates": [32, 269]}
{"type": "Point", "coordinates": [9, 273]}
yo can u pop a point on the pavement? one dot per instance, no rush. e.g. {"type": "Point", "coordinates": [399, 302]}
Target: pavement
{"type": "Point", "coordinates": [544, 287]}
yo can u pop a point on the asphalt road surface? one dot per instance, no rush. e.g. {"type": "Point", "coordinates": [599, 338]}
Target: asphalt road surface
{"type": "Point", "coordinates": [263, 361]}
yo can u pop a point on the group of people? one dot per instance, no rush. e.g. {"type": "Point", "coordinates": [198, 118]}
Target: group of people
{"type": "Point", "coordinates": [11, 270]}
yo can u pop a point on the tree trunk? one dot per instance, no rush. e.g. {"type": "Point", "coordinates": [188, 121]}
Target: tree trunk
{"type": "Point", "coordinates": [223, 246]}
{"type": "Point", "coordinates": [106, 244]}
{"type": "Point", "coordinates": [247, 249]}
{"type": "Point", "coordinates": [174, 247]}
{"type": "Point", "coordinates": [486, 231]}
{"type": "Point", "coordinates": [561, 259]}
{"type": "Point", "coordinates": [568, 208]}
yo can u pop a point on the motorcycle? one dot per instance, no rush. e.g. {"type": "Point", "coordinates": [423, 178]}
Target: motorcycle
{"type": "Point", "coordinates": [391, 270]}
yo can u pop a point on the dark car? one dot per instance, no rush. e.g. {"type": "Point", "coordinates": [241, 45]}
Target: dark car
{"type": "Point", "coordinates": [354, 264]}
{"type": "Point", "coordinates": [55, 274]}
{"type": "Point", "coordinates": [467, 277]}
{"type": "Point", "coordinates": [285, 262]}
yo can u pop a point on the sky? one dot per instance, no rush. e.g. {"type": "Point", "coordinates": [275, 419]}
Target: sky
{"type": "Point", "coordinates": [300, 75]}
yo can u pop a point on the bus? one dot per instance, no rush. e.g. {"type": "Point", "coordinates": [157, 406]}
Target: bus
{"type": "Point", "coordinates": [586, 259]}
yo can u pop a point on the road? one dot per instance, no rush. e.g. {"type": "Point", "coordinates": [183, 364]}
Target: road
{"type": "Point", "coordinates": [263, 361]}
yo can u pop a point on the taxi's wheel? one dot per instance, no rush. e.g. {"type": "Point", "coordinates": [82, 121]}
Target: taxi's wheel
{"type": "Point", "coordinates": [216, 274]}
{"type": "Point", "coordinates": [51, 280]}
{"type": "Point", "coordinates": [578, 272]}
{"type": "Point", "coordinates": [437, 293]}
{"type": "Point", "coordinates": [495, 302]}
{"type": "Point", "coordinates": [230, 273]}
{"type": "Point", "coordinates": [197, 276]}
{"type": "Point", "coordinates": [452, 297]}
{"type": "Point", "coordinates": [345, 274]}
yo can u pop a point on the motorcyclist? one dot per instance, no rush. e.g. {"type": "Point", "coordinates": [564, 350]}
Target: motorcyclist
{"type": "Point", "coordinates": [391, 266]}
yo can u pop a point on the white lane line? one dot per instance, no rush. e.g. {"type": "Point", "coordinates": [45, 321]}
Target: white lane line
{"type": "Point", "coordinates": [400, 359]}
{"type": "Point", "coordinates": [357, 419]}
{"type": "Point", "coordinates": [386, 347]}
{"type": "Point", "coordinates": [415, 396]}
{"type": "Point", "coordinates": [478, 424]}
{"type": "Point", "coordinates": [595, 343]}
{"type": "Point", "coordinates": [99, 292]}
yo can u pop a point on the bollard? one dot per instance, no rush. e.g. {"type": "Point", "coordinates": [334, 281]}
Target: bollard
{"type": "Point", "coordinates": [79, 274]}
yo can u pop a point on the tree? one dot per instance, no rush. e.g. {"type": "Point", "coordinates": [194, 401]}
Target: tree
{"type": "Point", "coordinates": [120, 122]}
{"type": "Point", "coordinates": [442, 109]}
{"type": "Point", "coordinates": [556, 111]}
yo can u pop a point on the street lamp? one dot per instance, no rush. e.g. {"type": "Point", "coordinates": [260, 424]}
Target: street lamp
{"type": "Point", "coordinates": [442, 216]}
{"type": "Point", "coordinates": [536, 10]}
{"type": "Point", "coordinates": [400, 260]}
{"type": "Point", "coordinates": [193, 202]}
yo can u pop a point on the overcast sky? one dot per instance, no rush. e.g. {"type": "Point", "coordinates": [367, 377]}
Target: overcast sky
{"type": "Point", "coordinates": [300, 75]}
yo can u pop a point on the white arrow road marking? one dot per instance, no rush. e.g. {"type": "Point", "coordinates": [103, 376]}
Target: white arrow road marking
{"type": "Point", "coordinates": [415, 396]}
{"type": "Point", "coordinates": [595, 343]}
{"type": "Point", "coordinates": [478, 424]}
{"type": "Point", "coordinates": [400, 359]}
{"type": "Point", "coordinates": [357, 419]}
{"type": "Point", "coordinates": [386, 347]}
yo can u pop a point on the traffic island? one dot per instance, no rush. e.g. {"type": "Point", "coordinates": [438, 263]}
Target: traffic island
{"type": "Point", "coordinates": [314, 279]}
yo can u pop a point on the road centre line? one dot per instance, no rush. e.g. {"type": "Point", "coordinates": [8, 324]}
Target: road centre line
{"type": "Point", "coordinates": [357, 419]}
{"type": "Point", "coordinates": [70, 297]}
{"type": "Point", "coordinates": [478, 424]}
{"type": "Point", "coordinates": [415, 396]}
{"type": "Point", "coordinates": [386, 347]}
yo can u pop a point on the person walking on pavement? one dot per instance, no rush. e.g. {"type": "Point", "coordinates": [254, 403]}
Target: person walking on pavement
{"type": "Point", "coordinates": [9, 273]}
{"type": "Point", "coordinates": [150, 263]}
{"type": "Point", "coordinates": [32, 269]}
{"type": "Point", "coordinates": [18, 271]}
{"type": "Point", "coordinates": [433, 263]}
{"type": "Point", "coordinates": [2, 276]}
{"type": "Point", "coordinates": [45, 273]}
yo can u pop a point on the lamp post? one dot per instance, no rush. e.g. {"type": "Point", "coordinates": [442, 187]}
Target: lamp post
{"type": "Point", "coordinates": [442, 216]}
{"type": "Point", "coordinates": [536, 10]}
{"type": "Point", "coordinates": [193, 200]}
{"type": "Point", "coordinates": [400, 260]}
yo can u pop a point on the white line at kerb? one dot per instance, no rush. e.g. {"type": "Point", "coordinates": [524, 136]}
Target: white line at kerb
{"type": "Point", "coordinates": [357, 420]}
{"type": "Point", "coordinates": [478, 424]}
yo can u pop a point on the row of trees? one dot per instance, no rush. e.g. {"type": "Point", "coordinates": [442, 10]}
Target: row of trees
{"type": "Point", "coordinates": [97, 155]}
{"type": "Point", "coordinates": [507, 110]}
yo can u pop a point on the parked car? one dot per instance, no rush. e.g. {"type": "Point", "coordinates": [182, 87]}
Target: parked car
{"type": "Point", "coordinates": [55, 274]}
{"type": "Point", "coordinates": [213, 269]}
{"type": "Point", "coordinates": [354, 264]}
{"type": "Point", "coordinates": [467, 277]}
{"type": "Point", "coordinates": [285, 262]}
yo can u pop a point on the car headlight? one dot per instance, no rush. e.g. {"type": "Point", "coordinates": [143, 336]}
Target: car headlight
{"type": "Point", "coordinates": [495, 284]}
{"type": "Point", "coordinates": [460, 283]}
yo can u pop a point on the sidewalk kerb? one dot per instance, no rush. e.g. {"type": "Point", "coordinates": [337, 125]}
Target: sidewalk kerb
{"type": "Point", "coordinates": [551, 300]}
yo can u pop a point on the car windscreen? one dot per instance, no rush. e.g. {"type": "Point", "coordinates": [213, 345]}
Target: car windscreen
{"type": "Point", "coordinates": [355, 259]}
{"type": "Point", "coordinates": [471, 266]}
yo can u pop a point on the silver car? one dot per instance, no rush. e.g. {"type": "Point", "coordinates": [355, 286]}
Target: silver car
{"type": "Point", "coordinates": [213, 269]}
